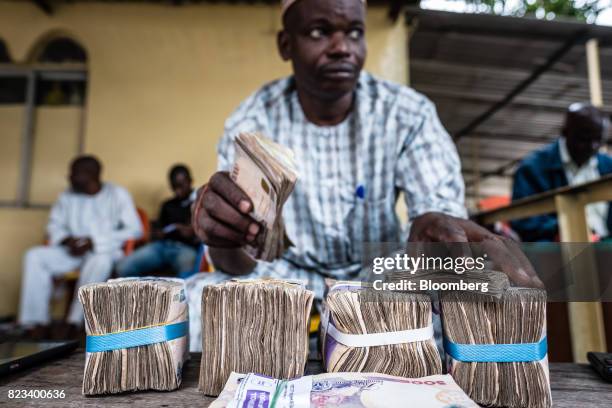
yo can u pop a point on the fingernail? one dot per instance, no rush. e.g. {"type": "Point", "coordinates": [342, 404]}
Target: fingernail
{"type": "Point", "coordinates": [250, 238]}
{"type": "Point", "coordinates": [244, 206]}
{"type": "Point", "coordinates": [253, 229]}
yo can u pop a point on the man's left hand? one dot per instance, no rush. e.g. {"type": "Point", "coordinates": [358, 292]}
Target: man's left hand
{"type": "Point", "coordinates": [80, 246]}
{"type": "Point", "coordinates": [502, 251]}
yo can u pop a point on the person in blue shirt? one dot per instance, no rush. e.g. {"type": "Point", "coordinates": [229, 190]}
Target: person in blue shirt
{"type": "Point", "coordinates": [574, 158]}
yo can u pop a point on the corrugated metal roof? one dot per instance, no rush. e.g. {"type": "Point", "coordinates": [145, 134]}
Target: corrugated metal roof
{"type": "Point", "coordinates": [466, 63]}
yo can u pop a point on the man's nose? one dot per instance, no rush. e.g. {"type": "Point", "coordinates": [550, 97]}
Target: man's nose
{"type": "Point", "coordinates": [338, 46]}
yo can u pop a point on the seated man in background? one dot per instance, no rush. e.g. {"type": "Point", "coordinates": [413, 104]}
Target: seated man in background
{"type": "Point", "coordinates": [175, 243]}
{"type": "Point", "coordinates": [573, 159]}
{"type": "Point", "coordinates": [88, 225]}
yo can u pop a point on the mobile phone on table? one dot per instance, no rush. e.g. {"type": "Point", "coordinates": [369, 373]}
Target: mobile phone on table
{"type": "Point", "coordinates": [602, 363]}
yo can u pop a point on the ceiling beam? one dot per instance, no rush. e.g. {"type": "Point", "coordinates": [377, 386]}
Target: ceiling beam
{"type": "Point", "coordinates": [484, 136]}
{"type": "Point", "coordinates": [433, 92]}
{"type": "Point", "coordinates": [45, 6]}
{"type": "Point", "coordinates": [508, 164]}
{"type": "Point", "coordinates": [500, 171]}
{"type": "Point", "coordinates": [480, 32]}
{"type": "Point", "coordinates": [578, 37]}
{"type": "Point", "coordinates": [466, 159]}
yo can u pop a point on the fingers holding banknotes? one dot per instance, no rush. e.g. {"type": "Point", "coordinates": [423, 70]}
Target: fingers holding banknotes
{"type": "Point", "coordinates": [220, 214]}
{"type": "Point", "coordinates": [503, 253]}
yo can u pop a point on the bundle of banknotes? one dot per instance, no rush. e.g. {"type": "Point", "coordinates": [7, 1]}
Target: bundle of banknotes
{"type": "Point", "coordinates": [343, 390]}
{"type": "Point", "coordinates": [366, 330]}
{"type": "Point", "coordinates": [266, 172]}
{"type": "Point", "coordinates": [493, 283]}
{"type": "Point", "coordinates": [137, 335]}
{"type": "Point", "coordinates": [253, 326]}
{"type": "Point", "coordinates": [496, 347]}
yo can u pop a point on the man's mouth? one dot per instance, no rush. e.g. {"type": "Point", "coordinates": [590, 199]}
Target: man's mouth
{"type": "Point", "coordinates": [339, 71]}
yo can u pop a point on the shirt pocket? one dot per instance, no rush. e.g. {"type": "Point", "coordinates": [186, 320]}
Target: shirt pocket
{"type": "Point", "coordinates": [369, 219]}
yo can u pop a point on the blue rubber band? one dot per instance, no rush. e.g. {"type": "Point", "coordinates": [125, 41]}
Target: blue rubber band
{"type": "Point", "coordinates": [135, 338]}
{"type": "Point", "coordinates": [497, 353]}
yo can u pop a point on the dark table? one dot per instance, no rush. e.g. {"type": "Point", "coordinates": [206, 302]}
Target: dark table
{"type": "Point", "coordinates": [573, 386]}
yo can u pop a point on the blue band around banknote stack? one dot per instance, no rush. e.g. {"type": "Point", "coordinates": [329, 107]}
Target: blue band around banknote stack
{"type": "Point", "coordinates": [497, 353]}
{"type": "Point", "coordinates": [136, 337]}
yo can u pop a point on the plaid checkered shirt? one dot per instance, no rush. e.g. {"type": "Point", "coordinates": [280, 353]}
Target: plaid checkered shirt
{"type": "Point", "coordinates": [350, 174]}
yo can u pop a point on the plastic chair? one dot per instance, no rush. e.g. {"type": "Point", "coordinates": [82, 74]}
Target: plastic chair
{"type": "Point", "coordinates": [500, 227]}
{"type": "Point", "coordinates": [493, 202]}
{"type": "Point", "coordinates": [132, 244]}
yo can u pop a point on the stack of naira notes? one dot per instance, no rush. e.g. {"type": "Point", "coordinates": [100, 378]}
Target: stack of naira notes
{"type": "Point", "coordinates": [266, 172]}
{"type": "Point", "coordinates": [342, 390]}
{"type": "Point", "coordinates": [496, 347]}
{"type": "Point", "coordinates": [253, 326]}
{"type": "Point", "coordinates": [137, 335]}
{"type": "Point", "coordinates": [491, 282]}
{"type": "Point", "coordinates": [366, 330]}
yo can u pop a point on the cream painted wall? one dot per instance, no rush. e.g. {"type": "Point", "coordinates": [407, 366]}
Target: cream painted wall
{"type": "Point", "coordinates": [20, 230]}
{"type": "Point", "coordinates": [11, 121]}
{"type": "Point", "coordinates": [162, 80]}
{"type": "Point", "coordinates": [56, 142]}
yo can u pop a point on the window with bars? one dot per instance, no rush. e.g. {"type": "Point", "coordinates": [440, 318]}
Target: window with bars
{"type": "Point", "coordinates": [41, 121]}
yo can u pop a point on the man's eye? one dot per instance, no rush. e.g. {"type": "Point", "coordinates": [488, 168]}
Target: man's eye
{"type": "Point", "coordinates": [355, 34]}
{"type": "Point", "coordinates": [316, 33]}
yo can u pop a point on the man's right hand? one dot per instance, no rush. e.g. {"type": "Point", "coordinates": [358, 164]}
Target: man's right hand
{"type": "Point", "coordinates": [220, 214]}
{"type": "Point", "coordinates": [77, 246]}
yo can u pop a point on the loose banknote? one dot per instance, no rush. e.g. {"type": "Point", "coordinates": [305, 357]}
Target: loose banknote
{"type": "Point", "coordinates": [344, 390]}
{"type": "Point", "coordinates": [256, 184]}
{"type": "Point", "coordinates": [267, 173]}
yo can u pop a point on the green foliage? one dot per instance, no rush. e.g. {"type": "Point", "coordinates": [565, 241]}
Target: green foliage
{"type": "Point", "coordinates": [582, 10]}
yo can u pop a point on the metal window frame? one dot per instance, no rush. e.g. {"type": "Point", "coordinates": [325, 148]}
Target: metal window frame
{"type": "Point", "coordinates": [32, 75]}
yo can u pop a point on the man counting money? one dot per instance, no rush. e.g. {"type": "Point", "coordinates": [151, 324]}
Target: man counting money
{"type": "Point", "coordinates": [358, 142]}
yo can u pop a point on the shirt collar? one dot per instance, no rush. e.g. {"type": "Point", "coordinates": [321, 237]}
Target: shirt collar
{"type": "Point", "coordinates": [361, 103]}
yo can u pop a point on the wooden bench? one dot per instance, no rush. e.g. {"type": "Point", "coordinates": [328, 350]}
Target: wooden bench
{"type": "Point", "coordinates": [585, 319]}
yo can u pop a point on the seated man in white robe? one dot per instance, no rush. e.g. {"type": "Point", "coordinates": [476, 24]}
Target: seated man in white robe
{"type": "Point", "coordinates": [88, 226]}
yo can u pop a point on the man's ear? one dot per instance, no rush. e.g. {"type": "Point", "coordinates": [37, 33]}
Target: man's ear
{"type": "Point", "coordinates": [284, 45]}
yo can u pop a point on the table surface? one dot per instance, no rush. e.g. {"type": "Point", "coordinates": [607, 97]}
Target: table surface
{"type": "Point", "coordinates": [573, 385]}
